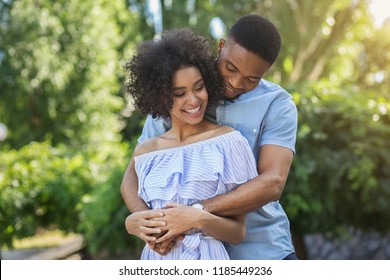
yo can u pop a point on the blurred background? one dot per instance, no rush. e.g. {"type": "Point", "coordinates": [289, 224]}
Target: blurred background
{"type": "Point", "coordinates": [67, 131]}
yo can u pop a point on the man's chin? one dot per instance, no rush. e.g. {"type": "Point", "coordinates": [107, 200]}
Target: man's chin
{"type": "Point", "coordinates": [231, 96]}
{"type": "Point", "coordinates": [230, 99]}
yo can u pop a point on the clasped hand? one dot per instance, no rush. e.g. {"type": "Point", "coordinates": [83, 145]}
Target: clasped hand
{"type": "Point", "coordinates": [161, 228]}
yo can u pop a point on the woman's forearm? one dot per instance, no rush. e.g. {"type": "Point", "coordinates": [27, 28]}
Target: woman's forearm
{"type": "Point", "coordinates": [231, 229]}
{"type": "Point", "coordinates": [181, 218]}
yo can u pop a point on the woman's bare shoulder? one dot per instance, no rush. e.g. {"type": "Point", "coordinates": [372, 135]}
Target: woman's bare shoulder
{"type": "Point", "coordinates": [223, 129]}
{"type": "Point", "coordinates": [147, 146]}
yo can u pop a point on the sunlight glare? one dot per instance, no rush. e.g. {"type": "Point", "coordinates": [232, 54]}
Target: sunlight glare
{"type": "Point", "coordinates": [380, 9]}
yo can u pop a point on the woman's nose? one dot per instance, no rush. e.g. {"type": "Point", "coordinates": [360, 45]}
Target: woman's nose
{"type": "Point", "coordinates": [192, 99]}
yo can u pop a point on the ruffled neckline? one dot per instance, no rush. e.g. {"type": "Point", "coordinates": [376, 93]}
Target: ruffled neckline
{"type": "Point", "coordinates": [189, 145]}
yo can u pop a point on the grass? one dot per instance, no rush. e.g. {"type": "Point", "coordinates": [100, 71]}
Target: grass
{"type": "Point", "coordinates": [44, 239]}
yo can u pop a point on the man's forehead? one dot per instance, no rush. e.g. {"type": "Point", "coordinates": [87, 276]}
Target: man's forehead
{"type": "Point", "coordinates": [245, 60]}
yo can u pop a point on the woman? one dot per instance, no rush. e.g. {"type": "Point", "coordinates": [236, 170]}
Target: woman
{"type": "Point", "coordinates": [175, 77]}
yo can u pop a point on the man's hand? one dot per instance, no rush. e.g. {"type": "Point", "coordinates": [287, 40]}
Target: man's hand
{"type": "Point", "coordinates": [143, 224]}
{"type": "Point", "coordinates": [164, 247]}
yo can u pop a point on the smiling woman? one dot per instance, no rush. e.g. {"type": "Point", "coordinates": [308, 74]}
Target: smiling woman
{"type": "Point", "coordinates": [150, 83]}
{"type": "Point", "coordinates": [189, 95]}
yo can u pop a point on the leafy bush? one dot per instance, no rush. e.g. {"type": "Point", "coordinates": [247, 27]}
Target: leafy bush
{"type": "Point", "coordinates": [340, 175]}
{"type": "Point", "coordinates": [103, 216]}
{"type": "Point", "coordinates": [45, 187]}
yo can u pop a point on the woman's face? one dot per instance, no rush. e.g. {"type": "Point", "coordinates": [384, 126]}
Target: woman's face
{"type": "Point", "coordinates": [190, 96]}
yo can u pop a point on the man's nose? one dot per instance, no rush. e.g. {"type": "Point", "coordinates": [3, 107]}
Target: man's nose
{"type": "Point", "coordinates": [236, 82]}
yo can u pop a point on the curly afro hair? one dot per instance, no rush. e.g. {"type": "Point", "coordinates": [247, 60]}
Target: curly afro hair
{"type": "Point", "coordinates": [258, 35]}
{"type": "Point", "coordinates": [151, 69]}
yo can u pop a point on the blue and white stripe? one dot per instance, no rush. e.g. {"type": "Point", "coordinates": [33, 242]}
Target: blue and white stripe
{"type": "Point", "coordinates": [190, 173]}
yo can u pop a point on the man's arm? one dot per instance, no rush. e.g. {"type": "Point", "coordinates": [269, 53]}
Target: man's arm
{"type": "Point", "coordinates": [129, 189]}
{"type": "Point", "coordinates": [276, 152]}
{"type": "Point", "coordinates": [140, 223]}
{"type": "Point", "coordinates": [273, 167]}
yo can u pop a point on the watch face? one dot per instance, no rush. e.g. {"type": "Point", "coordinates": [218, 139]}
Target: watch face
{"type": "Point", "coordinates": [197, 205]}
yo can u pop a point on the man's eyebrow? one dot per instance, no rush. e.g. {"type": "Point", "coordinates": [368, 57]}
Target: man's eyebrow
{"type": "Point", "coordinates": [235, 67]}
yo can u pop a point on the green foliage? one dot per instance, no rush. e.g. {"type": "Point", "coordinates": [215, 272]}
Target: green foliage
{"type": "Point", "coordinates": [60, 81]}
{"type": "Point", "coordinates": [103, 216]}
{"type": "Point", "coordinates": [374, 63]}
{"type": "Point", "coordinates": [316, 36]}
{"type": "Point", "coordinates": [195, 14]}
{"type": "Point", "coordinates": [340, 174]}
{"type": "Point", "coordinates": [133, 126]}
{"type": "Point", "coordinates": [59, 70]}
{"type": "Point", "coordinates": [42, 186]}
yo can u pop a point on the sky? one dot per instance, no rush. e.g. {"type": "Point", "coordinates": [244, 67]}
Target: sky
{"type": "Point", "coordinates": [380, 10]}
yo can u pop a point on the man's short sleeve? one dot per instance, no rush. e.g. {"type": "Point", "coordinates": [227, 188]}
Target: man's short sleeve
{"type": "Point", "coordinates": [281, 124]}
{"type": "Point", "coordinates": [153, 127]}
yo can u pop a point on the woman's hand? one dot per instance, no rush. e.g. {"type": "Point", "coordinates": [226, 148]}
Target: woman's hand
{"type": "Point", "coordinates": [144, 225]}
{"type": "Point", "coordinates": [179, 219]}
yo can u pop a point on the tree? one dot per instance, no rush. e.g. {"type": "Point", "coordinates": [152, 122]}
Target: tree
{"type": "Point", "coordinates": [374, 62]}
{"type": "Point", "coordinates": [340, 174]}
{"type": "Point", "coordinates": [60, 69]}
{"type": "Point", "coordinates": [311, 33]}
{"type": "Point", "coordinates": [60, 80]}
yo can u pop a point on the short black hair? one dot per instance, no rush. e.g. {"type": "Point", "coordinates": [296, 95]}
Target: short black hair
{"type": "Point", "coordinates": [151, 69]}
{"type": "Point", "coordinates": [258, 35]}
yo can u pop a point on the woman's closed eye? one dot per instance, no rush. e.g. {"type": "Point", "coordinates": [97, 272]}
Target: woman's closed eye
{"type": "Point", "coordinates": [199, 88]}
{"type": "Point", "coordinates": [178, 94]}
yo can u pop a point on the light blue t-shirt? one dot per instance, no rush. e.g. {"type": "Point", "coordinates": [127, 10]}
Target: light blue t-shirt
{"type": "Point", "coordinates": [265, 115]}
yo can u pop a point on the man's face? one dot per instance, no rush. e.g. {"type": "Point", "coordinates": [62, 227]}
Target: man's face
{"type": "Point", "coordinates": [240, 69]}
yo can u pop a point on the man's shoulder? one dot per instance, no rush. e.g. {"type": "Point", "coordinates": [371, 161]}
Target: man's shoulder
{"type": "Point", "coordinates": [154, 127]}
{"type": "Point", "coordinates": [269, 86]}
{"type": "Point", "coordinates": [266, 93]}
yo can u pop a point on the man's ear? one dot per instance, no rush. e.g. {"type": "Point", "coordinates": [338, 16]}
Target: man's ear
{"type": "Point", "coordinates": [221, 45]}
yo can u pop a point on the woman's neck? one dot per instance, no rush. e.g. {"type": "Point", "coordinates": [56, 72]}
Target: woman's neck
{"type": "Point", "coordinates": [187, 133]}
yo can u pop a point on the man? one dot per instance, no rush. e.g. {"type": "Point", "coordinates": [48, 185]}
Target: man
{"type": "Point", "coordinates": [267, 117]}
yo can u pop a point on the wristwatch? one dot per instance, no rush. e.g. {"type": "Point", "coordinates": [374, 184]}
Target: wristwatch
{"type": "Point", "coordinates": [197, 205]}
